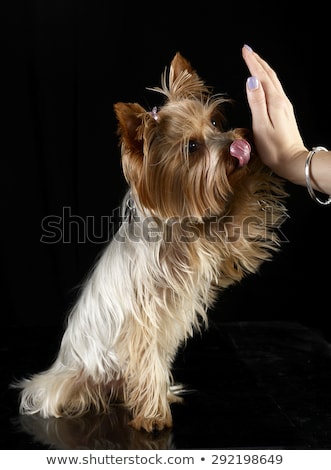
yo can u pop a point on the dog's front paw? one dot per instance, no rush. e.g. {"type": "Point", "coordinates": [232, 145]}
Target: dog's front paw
{"type": "Point", "coordinates": [150, 424]}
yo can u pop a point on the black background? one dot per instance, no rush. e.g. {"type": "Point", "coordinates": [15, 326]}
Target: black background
{"type": "Point", "coordinates": [66, 63]}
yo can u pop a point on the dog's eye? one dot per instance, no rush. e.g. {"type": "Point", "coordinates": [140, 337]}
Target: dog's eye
{"type": "Point", "coordinates": [193, 146]}
{"type": "Point", "coordinates": [216, 121]}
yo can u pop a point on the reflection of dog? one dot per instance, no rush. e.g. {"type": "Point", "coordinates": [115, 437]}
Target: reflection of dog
{"type": "Point", "coordinates": [93, 431]}
{"type": "Point", "coordinates": [201, 212]}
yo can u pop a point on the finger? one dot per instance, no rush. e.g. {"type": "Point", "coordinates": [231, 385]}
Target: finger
{"type": "Point", "coordinates": [261, 69]}
{"type": "Point", "coordinates": [257, 101]}
{"type": "Point", "coordinates": [269, 72]}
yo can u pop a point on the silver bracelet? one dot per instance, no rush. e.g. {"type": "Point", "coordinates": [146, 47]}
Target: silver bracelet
{"type": "Point", "coordinates": [308, 181]}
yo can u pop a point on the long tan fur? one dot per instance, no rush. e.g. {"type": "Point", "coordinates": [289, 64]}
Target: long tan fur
{"type": "Point", "coordinates": [194, 222]}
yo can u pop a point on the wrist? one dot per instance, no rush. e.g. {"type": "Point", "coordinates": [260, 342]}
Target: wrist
{"type": "Point", "coordinates": [292, 168]}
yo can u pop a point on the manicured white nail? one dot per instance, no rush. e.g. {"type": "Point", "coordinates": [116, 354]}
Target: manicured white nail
{"type": "Point", "coordinates": [246, 46]}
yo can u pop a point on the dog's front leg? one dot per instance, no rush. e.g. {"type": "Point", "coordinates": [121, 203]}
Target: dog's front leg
{"type": "Point", "coordinates": [147, 385]}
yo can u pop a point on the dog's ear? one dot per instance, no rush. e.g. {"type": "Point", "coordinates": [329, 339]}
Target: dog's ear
{"type": "Point", "coordinates": [181, 82]}
{"type": "Point", "coordinates": [130, 120]}
{"type": "Point", "coordinates": [184, 82]}
{"type": "Point", "coordinates": [178, 65]}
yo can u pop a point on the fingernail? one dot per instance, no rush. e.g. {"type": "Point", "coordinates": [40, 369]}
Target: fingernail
{"type": "Point", "coordinates": [252, 83]}
{"type": "Point", "coordinates": [248, 47]}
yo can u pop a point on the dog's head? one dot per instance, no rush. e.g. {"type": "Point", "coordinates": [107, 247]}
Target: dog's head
{"type": "Point", "coordinates": [179, 159]}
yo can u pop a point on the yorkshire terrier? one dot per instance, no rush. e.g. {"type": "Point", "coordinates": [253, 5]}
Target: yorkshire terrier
{"type": "Point", "coordinates": [201, 212]}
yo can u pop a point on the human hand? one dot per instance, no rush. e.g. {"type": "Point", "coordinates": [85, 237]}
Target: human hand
{"type": "Point", "coordinates": [276, 134]}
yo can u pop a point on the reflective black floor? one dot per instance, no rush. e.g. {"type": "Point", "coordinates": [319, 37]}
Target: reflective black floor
{"type": "Point", "coordinates": [253, 385]}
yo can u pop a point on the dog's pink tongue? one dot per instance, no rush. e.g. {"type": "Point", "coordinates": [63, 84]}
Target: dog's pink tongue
{"type": "Point", "coordinates": [241, 149]}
